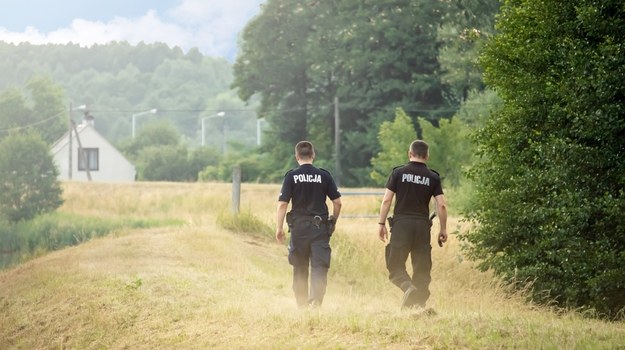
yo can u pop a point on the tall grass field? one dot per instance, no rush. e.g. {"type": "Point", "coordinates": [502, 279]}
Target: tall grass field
{"type": "Point", "coordinates": [216, 280]}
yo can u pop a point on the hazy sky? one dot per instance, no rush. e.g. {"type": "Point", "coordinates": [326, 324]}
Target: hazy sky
{"type": "Point", "coordinates": [210, 25]}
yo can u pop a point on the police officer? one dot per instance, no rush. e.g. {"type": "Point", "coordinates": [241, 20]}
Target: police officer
{"type": "Point", "coordinates": [414, 184]}
{"type": "Point", "coordinates": [307, 188]}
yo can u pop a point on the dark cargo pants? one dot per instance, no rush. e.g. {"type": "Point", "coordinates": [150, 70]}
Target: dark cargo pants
{"type": "Point", "coordinates": [309, 246]}
{"type": "Point", "coordinates": [410, 236]}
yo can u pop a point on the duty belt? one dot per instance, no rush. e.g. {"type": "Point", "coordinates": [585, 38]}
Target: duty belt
{"type": "Point", "coordinates": [315, 220]}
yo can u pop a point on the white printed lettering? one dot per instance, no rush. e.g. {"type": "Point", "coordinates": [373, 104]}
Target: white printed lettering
{"type": "Point", "coordinates": [307, 178]}
{"type": "Point", "coordinates": [417, 179]}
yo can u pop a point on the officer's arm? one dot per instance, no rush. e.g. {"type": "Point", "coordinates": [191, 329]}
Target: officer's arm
{"type": "Point", "coordinates": [385, 207]}
{"type": "Point", "coordinates": [280, 214]}
{"type": "Point", "coordinates": [441, 210]}
{"type": "Point", "coordinates": [336, 208]}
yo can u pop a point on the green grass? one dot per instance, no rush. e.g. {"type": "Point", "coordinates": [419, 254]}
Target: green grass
{"type": "Point", "coordinates": [28, 239]}
{"type": "Point", "coordinates": [246, 223]}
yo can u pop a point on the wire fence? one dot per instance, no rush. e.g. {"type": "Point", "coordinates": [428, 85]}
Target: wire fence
{"type": "Point", "coordinates": [361, 215]}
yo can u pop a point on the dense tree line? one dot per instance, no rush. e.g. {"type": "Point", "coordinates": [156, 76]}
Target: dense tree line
{"type": "Point", "coordinates": [550, 187]}
{"type": "Point", "coordinates": [117, 80]}
{"type": "Point", "coordinates": [297, 57]}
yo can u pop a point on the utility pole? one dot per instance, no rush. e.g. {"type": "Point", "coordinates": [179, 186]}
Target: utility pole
{"type": "Point", "coordinates": [337, 141]}
{"type": "Point", "coordinates": [70, 128]}
{"type": "Point", "coordinates": [69, 134]}
{"type": "Point", "coordinates": [81, 151]}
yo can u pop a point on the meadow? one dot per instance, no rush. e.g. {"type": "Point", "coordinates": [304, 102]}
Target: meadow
{"type": "Point", "coordinates": [218, 281]}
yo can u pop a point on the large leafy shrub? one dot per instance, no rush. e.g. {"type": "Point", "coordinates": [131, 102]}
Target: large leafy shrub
{"type": "Point", "coordinates": [28, 178]}
{"type": "Point", "coordinates": [550, 183]}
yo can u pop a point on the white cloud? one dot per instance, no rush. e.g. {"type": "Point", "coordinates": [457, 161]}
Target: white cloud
{"type": "Point", "coordinates": [210, 26]}
{"type": "Point", "coordinates": [201, 11]}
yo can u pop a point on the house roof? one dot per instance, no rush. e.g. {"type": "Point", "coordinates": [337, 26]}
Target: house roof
{"type": "Point", "coordinates": [81, 128]}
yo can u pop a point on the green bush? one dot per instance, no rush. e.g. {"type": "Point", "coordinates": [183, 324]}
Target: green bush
{"type": "Point", "coordinates": [28, 178]}
{"type": "Point", "coordinates": [550, 190]}
{"type": "Point", "coordinates": [246, 222]}
{"type": "Point", "coordinates": [253, 168]}
{"type": "Point", "coordinates": [163, 163]}
{"type": "Point", "coordinates": [395, 138]}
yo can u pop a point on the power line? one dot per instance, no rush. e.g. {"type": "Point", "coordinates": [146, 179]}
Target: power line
{"type": "Point", "coordinates": [231, 110]}
{"type": "Point", "coordinates": [21, 127]}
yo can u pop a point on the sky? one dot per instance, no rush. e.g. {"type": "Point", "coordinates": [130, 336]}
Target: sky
{"type": "Point", "coordinates": [212, 26]}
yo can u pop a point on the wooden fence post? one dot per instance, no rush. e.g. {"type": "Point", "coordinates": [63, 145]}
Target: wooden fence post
{"type": "Point", "coordinates": [236, 189]}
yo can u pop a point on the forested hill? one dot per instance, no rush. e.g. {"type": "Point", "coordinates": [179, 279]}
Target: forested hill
{"type": "Point", "coordinates": [117, 80]}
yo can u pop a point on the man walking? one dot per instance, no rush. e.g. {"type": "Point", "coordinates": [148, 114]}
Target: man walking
{"type": "Point", "coordinates": [311, 228]}
{"type": "Point", "coordinates": [414, 184]}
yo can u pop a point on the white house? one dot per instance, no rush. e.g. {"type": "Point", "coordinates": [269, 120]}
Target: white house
{"type": "Point", "coordinates": [99, 159]}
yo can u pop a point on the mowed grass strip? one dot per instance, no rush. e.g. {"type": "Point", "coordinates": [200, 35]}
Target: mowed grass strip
{"type": "Point", "coordinates": [202, 286]}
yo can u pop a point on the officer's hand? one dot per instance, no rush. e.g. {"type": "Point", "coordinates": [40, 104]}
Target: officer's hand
{"type": "Point", "coordinates": [442, 238]}
{"type": "Point", "coordinates": [280, 235]}
{"type": "Point", "coordinates": [382, 233]}
{"type": "Point", "coordinates": [331, 224]}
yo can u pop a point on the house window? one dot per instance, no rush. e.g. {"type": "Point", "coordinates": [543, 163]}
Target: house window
{"type": "Point", "coordinates": [88, 159]}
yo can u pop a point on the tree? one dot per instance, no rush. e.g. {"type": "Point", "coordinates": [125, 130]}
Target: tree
{"type": "Point", "coordinates": [395, 138]}
{"type": "Point", "coordinates": [46, 115]}
{"type": "Point", "coordinates": [550, 189]}
{"type": "Point", "coordinates": [199, 159]}
{"type": "Point", "coordinates": [373, 56]}
{"type": "Point", "coordinates": [28, 178]}
{"type": "Point", "coordinates": [115, 80]}
{"type": "Point", "coordinates": [453, 148]}
{"type": "Point", "coordinates": [48, 106]}
{"type": "Point", "coordinates": [13, 110]}
{"type": "Point", "coordinates": [164, 163]}
{"type": "Point", "coordinates": [466, 27]}
{"type": "Point", "coordinates": [159, 133]}
{"type": "Point", "coordinates": [158, 153]}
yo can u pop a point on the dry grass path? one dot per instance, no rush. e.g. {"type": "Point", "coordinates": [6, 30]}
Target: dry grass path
{"type": "Point", "coordinates": [199, 286]}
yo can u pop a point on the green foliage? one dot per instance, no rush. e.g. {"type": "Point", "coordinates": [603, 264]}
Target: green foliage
{"type": "Point", "coordinates": [246, 222]}
{"type": "Point", "coordinates": [451, 148]}
{"type": "Point", "coordinates": [48, 99]}
{"type": "Point", "coordinates": [28, 178]}
{"type": "Point", "coordinates": [476, 110]}
{"type": "Point", "coordinates": [295, 59]}
{"type": "Point", "coordinates": [373, 56]}
{"type": "Point", "coordinates": [450, 143]}
{"type": "Point", "coordinates": [12, 109]}
{"type": "Point", "coordinates": [159, 133]}
{"type": "Point", "coordinates": [164, 163]}
{"type": "Point", "coordinates": [199, 159]}
{"type": "Point", "coordinates": [550, 186]}
{"type": "Point", "coordinates": [454, 147]}
{"type": "Point", "coordinates": [55, 231]}
{"type": "Point", "coordinates": [160, 155]}
{"type": "Point", "coordinates": [253, 168]}
{"type": "Point", "coordinates": [395, 138]}
{"type": "Point", "coordinates": [117, 79]}
{"type": "Point", "coordinates": [466, 28]}
{"type": "Point", "coordinates": [41, 109]}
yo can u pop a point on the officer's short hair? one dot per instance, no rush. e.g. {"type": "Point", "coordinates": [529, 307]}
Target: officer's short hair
{"type": "Point", "coordinates": [304, 149]}
{"type": "Point", "coordinates": [419, 148]}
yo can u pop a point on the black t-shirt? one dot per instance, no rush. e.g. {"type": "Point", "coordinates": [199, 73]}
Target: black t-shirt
{"type": "Point", "coordinates": [307, 188]}
{"type": "Point", "coordinates": [414, 185]}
